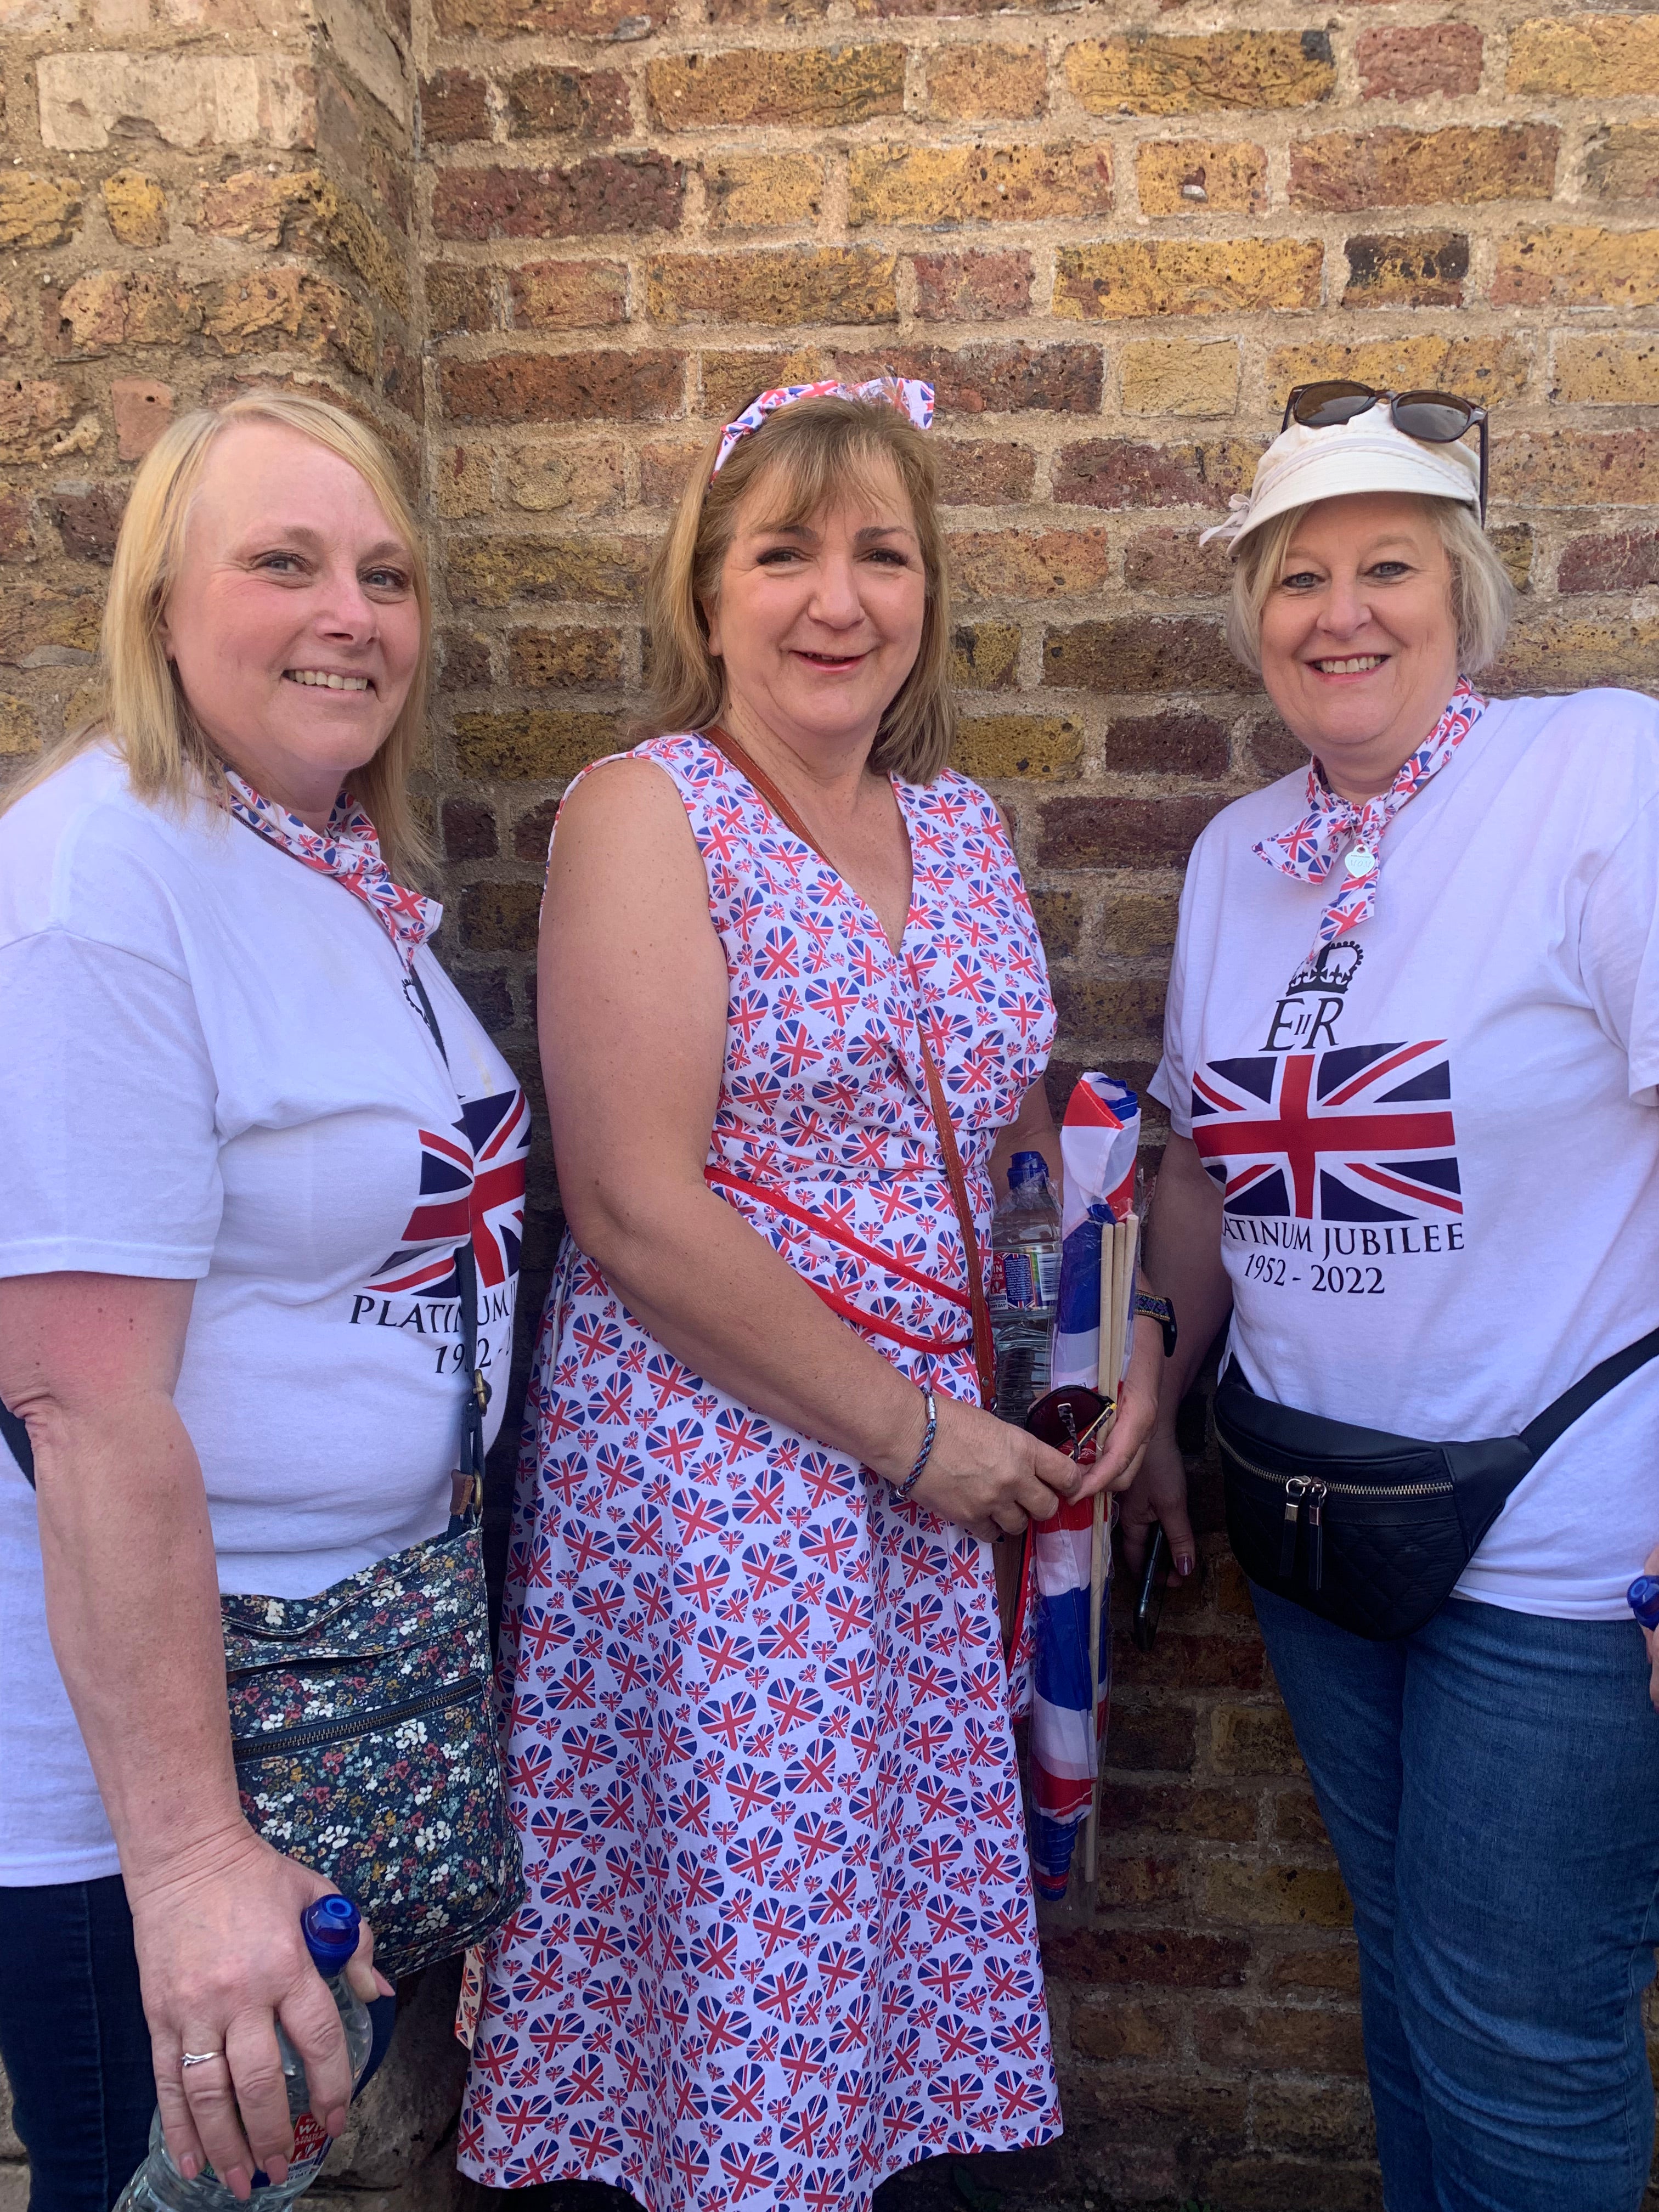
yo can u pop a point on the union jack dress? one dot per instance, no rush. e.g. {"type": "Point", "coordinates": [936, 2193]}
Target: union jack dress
{"type": "Point", "coordinates": [777, 1941]}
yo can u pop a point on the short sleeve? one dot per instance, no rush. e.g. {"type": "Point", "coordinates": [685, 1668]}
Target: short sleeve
{"type": "Point", "coordinates": [1171, 1081]}
{"type": "Point", "coordinates": [1619, 949]}
{"type": "Point", "coordinates": [109, 1155]}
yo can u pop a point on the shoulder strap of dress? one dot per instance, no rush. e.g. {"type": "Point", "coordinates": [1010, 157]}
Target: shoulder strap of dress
{"type": "Point", "coordinates": [984, 1348]}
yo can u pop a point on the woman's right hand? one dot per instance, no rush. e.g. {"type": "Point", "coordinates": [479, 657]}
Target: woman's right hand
{"type": "Point", "coordinates": [1158, 1499]}
{"type": "Point", "coordinates": [990, 1476]}
{"type": "Point", "coordinates": [220, 1955]}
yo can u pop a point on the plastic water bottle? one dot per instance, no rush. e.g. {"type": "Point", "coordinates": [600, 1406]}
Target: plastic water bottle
{"type": "Point", "coordinates": [1025, 1280]}
{"type": "Point", "coordinates": [329, 1926]}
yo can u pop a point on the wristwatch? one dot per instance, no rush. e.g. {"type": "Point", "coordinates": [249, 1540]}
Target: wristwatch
{"type": "Point", "coordinates": [1161, 1311]}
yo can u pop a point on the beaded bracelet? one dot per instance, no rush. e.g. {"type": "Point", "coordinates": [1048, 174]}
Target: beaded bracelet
{"type": "Point", "coordinates": [904, 1489]}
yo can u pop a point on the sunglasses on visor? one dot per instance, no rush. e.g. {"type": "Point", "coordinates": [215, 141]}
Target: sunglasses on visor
{"type": "Point", "coordinates": [1436, 418]}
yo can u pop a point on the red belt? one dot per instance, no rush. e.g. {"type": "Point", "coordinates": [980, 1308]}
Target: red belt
{"type": "Point", "coordinates": [721, 1179]}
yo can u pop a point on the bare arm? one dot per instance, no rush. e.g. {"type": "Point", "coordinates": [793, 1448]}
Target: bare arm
{"type": "Point", "coordinates": [1184, 1265]}
{"type": "Point", "coordinates": [88, 1362]}
{"type": "Point", "coordinates": [633, 1005]}
{"type": "Point", "coordinates": [1031, 1130]}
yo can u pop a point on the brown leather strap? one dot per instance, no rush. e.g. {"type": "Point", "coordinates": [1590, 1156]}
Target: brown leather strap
{"type": "Point", "coordinates": [984, 1348]}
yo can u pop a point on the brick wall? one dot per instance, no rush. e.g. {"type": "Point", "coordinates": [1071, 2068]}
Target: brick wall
{"type": "Point", "coordinates": [549, 242]}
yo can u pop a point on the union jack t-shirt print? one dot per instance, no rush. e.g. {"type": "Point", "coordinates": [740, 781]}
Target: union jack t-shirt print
{"type": "Point", "coordinates": [778, 1940]}
{"type": "Point", "coordinates": [1352, 1134]}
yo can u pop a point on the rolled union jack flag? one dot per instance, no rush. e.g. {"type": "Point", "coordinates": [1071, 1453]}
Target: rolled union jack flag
{"type": "Point", "coordinates": [1098, 1144]}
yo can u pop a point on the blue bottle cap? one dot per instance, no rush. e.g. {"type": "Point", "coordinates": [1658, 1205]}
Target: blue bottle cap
{"type": "Point", "coordinates": [1027, 1167]}
{"type": "Point", "coordinates": [1643, 1597]}
{"type": "Point", "coordinates": [329, 1926]}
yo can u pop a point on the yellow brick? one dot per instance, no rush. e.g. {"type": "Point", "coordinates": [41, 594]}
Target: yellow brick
{"type": "Point", "coordinates": [136, 208]}
{"type": "Point", "coordinates": [763, 191]}
{"type": "Point", "coordinates": [38, 210]}
{"type": "Point", "coordinates": [1141, 74]}
{"type": "Point", "coordinates": [491, 572]}
{"type": "Point", "coordinates": [730, 380]}
{"type": "Point", "coordinates": [1036, 564]}
{"type": "Point", "coordinates": [1479, 368]}
{"type": "Point", "coordinates": [1180, 376]}
{"type": "Point", "coordinates": [1181, 276]}
{"type": "Point", "coordinates": [548, 744]}
{"type": "Point", "coordinates": [19, 732]}
{"type": "Point", "coordinates": [932, 185]}
{"type": "Point", "coordinates": [1200, 176]}
{"type": "Point", "coordinates": [972, 82]}
{"type": "Point", "coordinates": [1606, 370]}
{"type": "Point", "coordinates": [1565, 265]}
{"type": "Point", "coordinates": [786, 288]}
{"type": "Point", "coordinates": [461, 480]}
{"type": "Point", "coordinates": [1585, 57]}
{"type": "Point", "coordinates": [1276, 1896]}
{"type": "Point", "coordinates": [1041, 747]}
{"type": "Point", "coordinates": [815, 86]}
{"type": "Point", "coordinates": [985, 656]}
{"type": "Point", "coordinates": [1556, 654]}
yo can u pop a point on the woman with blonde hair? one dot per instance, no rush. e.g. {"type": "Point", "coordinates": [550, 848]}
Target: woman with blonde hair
{"type": "Point", "coordinates": [778, 1941]}
{"type": "Point", "coordinates": [1412, 1063]}
{"type": "Point", "coordinates": [236, 1190]}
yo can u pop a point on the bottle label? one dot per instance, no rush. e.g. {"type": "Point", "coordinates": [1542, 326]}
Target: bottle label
{"type": "Point", "coordinates": [1019, 1274]}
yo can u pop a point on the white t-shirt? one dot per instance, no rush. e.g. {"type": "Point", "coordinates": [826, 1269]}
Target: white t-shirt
{"type": "Point", "coordinates": [212, 1073]}
{"type": "Point", "coordinates": [1441, 1151]}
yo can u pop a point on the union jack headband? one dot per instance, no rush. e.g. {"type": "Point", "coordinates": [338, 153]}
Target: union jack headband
{"type": "Point", "coordinates": [908, 393]}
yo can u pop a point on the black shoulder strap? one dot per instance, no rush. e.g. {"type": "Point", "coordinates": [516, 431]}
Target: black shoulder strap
{"type": "Point", "coordinates": [1557, 1419]}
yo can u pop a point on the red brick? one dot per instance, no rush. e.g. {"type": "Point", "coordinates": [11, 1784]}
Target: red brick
{"type": "Point", "coordinates": [143, 410]}
{"type": "Point", "coordinates": [88, 519]}
{"type": "Point", "coordinates": [463, 660]}
{"type": "Point", "coordinates": [1390, 167]}
{"type": "Point", "coordinates": [1624, 561]}
{"type": "Point", "coordinates": [1174, 743]}
{"type": "Point", "coordinates": [1144, 653]}
{"type": "Point", "coordinates": [608, 193]}
{"type": "Point", "coordinates": [982, 472]}
{"type": "Point", "coordinates": [533, 831]}
{"type": "Point", "coordinates": [1162, 1955]}
{"type": "Point", "coordinates": [1610, 468]}
{"type": "Point", "coordinates": [1123, 833]}
{"type": "Point", "coordinates": [995, 380]}
{"type": "Point", "coordinates": [568, 296]}
{"type": "Point", "coordinates": [1123, 472]}
{"type": "Point", "coordinates": [454, 106]}
{"type": "Point", "coordinates": [1409, 64]}
{"type": "Point", "coordinates": [498, 19]}
{"type": "Point", "coordinates": [1334, 1967]}
{"type": "Point", "coordinates": [1267, 2183]}
{"type": "Point", "coordinates": [17, 531]}
{"type": "Point", "coordinates": [542, 103]}
{"type": "Point", "coordinates": [988, 287]}
{"type": "Point", "coordinates": [1414, 269]}
{"type": "Point", "coordinates": [530, 388]}
{"type": "Point", "coordinates": [1144, 1738]}
{"type": "Point", "coordinates": [1169, 560]}
{"type": "Point", "coordinates": [1193, 1663]}
{"type": "Point", "coordinates": [468, 830]}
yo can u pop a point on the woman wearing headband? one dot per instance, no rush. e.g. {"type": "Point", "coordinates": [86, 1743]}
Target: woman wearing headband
{"type": "Point", "coordinates": [1411, 1055]}
{"type": "Point", "coordinates": [778, 1942]}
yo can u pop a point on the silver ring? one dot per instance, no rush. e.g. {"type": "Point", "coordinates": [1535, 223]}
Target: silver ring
{"type": "Point", "coordinates": [198, 2058]}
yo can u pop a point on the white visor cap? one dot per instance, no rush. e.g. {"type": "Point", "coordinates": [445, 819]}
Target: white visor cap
{"type": "Point", "coordinates": [1366, 454]}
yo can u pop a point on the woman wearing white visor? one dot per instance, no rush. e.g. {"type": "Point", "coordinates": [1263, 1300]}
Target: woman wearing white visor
{"type": "Point", "coordinates": [1410, 1062]}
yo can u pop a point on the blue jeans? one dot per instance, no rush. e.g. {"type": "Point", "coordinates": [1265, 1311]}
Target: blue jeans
{"type": "Point", "coordinates": [75, 2044]}
{"type": "Point", "coordinates": [1491, 1787]}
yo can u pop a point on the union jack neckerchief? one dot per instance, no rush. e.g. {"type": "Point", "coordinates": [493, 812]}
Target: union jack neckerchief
{"type": "Point", "coordinates": [907, 393]}
{"type": "Point", "coordinates": [350, 851]}
{"type": "Point", "coordinates": [1334, 826]}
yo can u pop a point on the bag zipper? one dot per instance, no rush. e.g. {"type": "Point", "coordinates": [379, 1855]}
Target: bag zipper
{"type": "Point", "coordinates": [1308, 1493]}
{"type": "Point", "coordinates": [313, 1734]}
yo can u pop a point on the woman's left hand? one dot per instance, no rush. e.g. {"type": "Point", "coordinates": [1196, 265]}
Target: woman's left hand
{"type": "Point", "coordinates": [1137, 1410]}
{"type": "Point", "coordinates": [1651, 1566]}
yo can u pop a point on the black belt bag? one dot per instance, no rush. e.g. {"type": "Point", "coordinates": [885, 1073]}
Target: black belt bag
{"type": "Point", "coordinates": [1371, 1531]}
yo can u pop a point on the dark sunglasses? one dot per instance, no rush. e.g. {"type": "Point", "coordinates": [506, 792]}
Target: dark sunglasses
{"type": "Point", "coordinates": [1070, 1418]}
{"type": "Point", "coordinates": [1436, 418]}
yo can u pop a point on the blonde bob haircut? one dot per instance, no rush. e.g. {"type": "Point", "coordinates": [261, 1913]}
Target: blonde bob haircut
{"type": "Point", "coordinates": [803, 458]}
{"type": "Point", "coordinates": [1482, 596]}
{"type": "Point", "coordinates": [143, 713]}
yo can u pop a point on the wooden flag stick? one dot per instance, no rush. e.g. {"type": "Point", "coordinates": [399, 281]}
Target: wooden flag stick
{"type": "Point", "coordinates": [1116, 1254]}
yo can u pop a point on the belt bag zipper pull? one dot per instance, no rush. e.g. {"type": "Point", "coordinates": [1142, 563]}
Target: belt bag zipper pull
{"type": "Point", "coordinates": [1315, 1535]}
{"type": "Point", "coordinates": [1295, 1490]}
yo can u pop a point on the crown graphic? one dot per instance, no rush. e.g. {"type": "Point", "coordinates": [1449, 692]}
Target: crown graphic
{"type": "Point", "coordinates": [1333, 968]}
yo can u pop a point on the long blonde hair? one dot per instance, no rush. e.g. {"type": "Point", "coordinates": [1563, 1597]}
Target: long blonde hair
{"type": "Point", "coordinates": [143, 712]}
{"type": "Point", "coordinates": [810, 454]}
